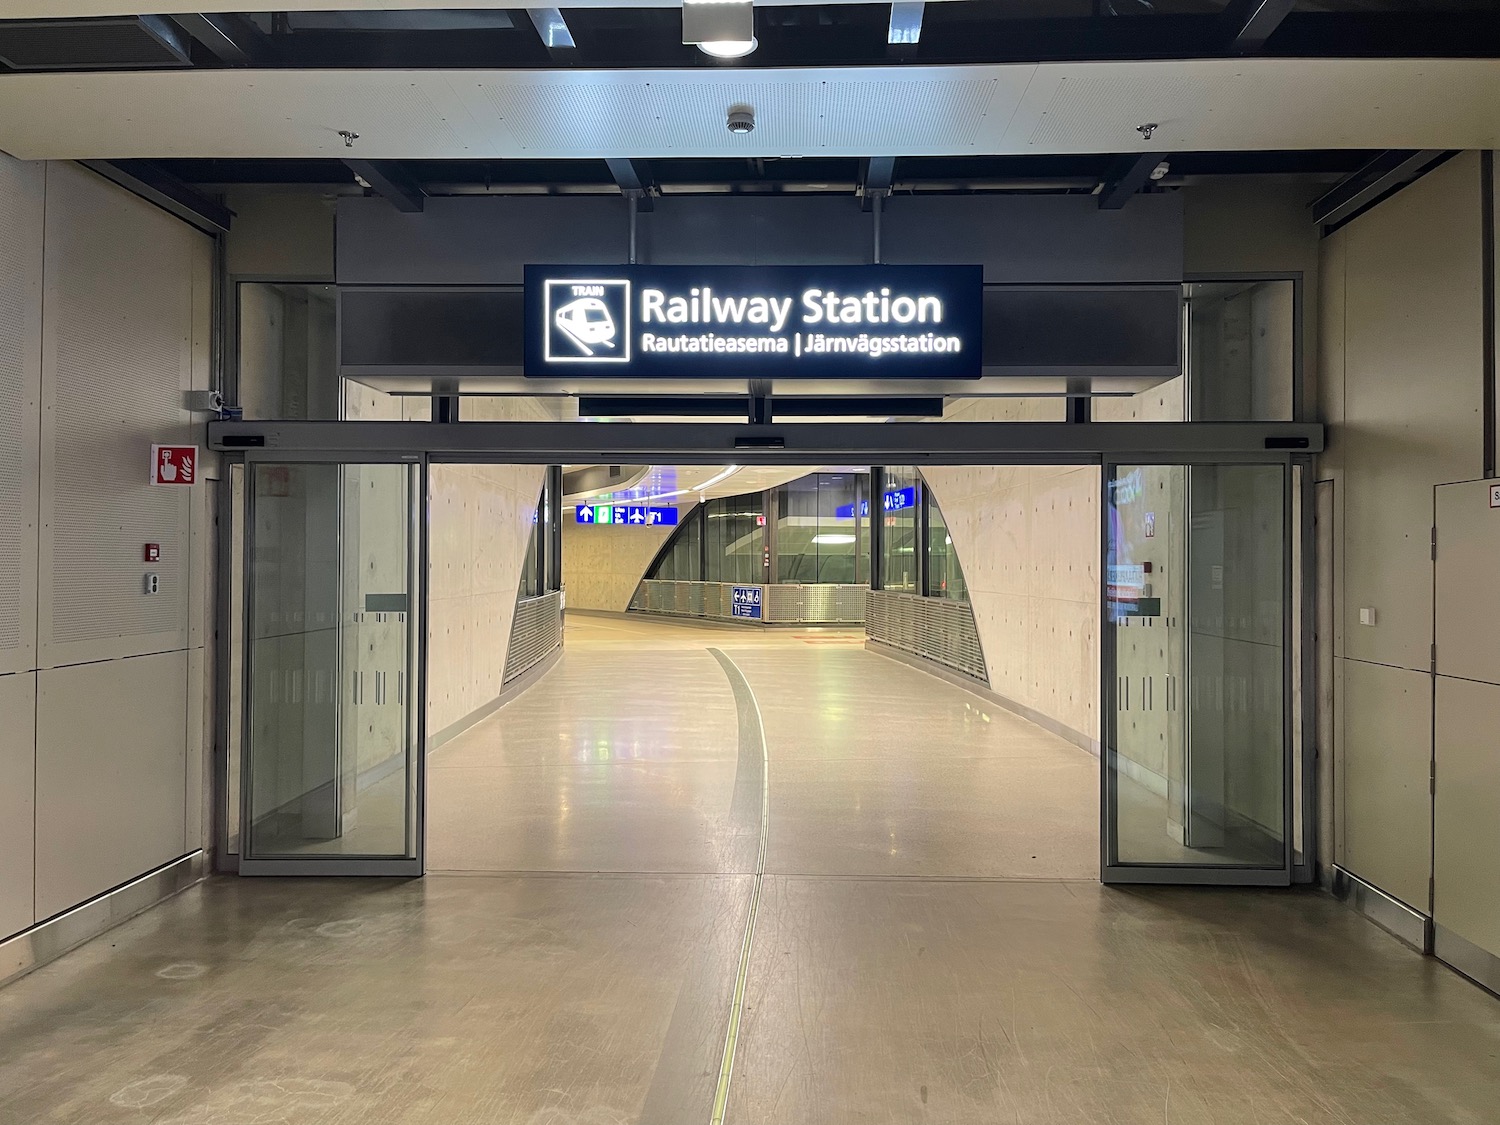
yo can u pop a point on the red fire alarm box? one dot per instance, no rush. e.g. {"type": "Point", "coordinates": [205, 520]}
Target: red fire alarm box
{"type": "Point", "coordinates": [174, 464]}
{"type": "Point", "coordinates": [153, 552]}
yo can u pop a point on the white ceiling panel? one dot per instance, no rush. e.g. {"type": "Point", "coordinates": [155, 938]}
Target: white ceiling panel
{"type": "Point", "coordinates": [1225, 104]}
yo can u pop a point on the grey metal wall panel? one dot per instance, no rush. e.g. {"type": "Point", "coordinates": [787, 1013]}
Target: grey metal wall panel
{"type": "Point", "coordinates": [21, 210]}
{"type": "Point", "coordinates": [535, 633]}
{"type": "Point", "coordinates": [17, 801]}
{"type": "Point", "coordinates": [1040, 238]}
{"type": "Point", "coordinates": [110, 774]}
{"type": "Point", "coordinates": [750, 230]}
{"type": "Point", "coordinates": [485, 240]}
{"type": "Point", "coordinates": [474, 241]}
{"type": "Point", "coordinates": [116, 359]}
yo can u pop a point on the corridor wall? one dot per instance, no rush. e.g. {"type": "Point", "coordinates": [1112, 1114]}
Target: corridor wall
{"type": "Point", "coordinates": [1403, 393]}
{"type": "Point", "coordinates": [603, 564]}
{"type": "Point", "coordinates": [105, 305]}
{"type": "Point", "coordinates": [1027, 537]}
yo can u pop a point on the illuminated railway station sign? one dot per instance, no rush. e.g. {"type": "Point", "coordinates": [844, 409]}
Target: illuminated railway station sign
{"type": "Point", "coordinates": [754, 322]}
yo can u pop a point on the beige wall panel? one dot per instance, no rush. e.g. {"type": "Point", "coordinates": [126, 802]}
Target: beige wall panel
{"type": "Point", "coordinates": [1386, 750]}
{"type": "Point", "coordinates": [17, 803]}
{"type": "Point", "coordinates": [602, 566]}
{"type": "Point", "coordinates": [110, 775]}
{"type": "Point", "coordinates": [1467, 612]}
{"type": "Point", "coordinates": [1466, 876]}
{"type": "Point", "coordinates": [21, 201]}
{"type": "Point", "coordinates": [1331, 403]}
{"type": "Point", "coordinates": [116, 359]}
{"type": "Point", "coordinates": [1413, 335]}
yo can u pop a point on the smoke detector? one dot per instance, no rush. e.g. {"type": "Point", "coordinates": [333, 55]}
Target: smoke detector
{"type": "Point", "coordinates": [741, 119]}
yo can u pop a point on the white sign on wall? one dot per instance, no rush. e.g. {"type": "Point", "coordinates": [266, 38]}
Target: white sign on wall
{"type": "Point", "coordinates": [1495, 496]}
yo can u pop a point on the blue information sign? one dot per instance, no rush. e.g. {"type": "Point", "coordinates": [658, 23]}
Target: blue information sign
{"type": "Point", "coordinates": [745, 602]}
{"type": "Point", "coordinates": [901, 499]}
{"type": "Point", "coordinates": [631, 515]}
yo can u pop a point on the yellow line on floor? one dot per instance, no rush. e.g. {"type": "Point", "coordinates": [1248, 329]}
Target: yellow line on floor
{"type": "Point", "coordinates": [737, 1004]}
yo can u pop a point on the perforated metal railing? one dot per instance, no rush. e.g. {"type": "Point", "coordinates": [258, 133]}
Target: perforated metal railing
{"type": "Point", "coordinates": [535, 633]}
{"type": "Point", "coordinates": [935, 629]}
{"type": "Point", "coordinates": [823, 604]}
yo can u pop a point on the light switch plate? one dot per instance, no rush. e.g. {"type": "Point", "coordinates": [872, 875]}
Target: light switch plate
{"type": "Point", "coordinates": [1367, 616]}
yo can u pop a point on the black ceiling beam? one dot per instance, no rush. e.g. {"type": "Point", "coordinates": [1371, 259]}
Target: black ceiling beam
{"type": "Point", "coordinates": [1126, 176]}
{"type": "Point", "coordinates": [1249, 23]}
{"type": "Point", "coordinates": [633, 178]}
{"type": "Point", "coordinates": [156, 185]}
{"type": "Point", "coordinates": [880, 174]}
{"type": "Point", "coordinates": [731, 406]}
{"type": "Point", "coordinates": [387, 178]}
{"type": "Point", "coordinates": [1388, 172]}
{"type": "Point", "coordinates": [231, 38]}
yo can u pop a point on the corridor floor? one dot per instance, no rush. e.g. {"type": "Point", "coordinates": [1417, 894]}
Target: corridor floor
{"type": "Point", "coordinates": [929, 942]}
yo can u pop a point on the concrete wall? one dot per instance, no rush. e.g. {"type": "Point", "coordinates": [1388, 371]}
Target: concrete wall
{"type": "Point", "coordinates": [481, 521]}
{"type": "Point", "coordinates": [602, 566]}
{"type": "Point", "coordinates": [1401, 359]}
{"type": "Point", "coordinates": [1027, 538]}
{"type": "Point", "coordinates": [105, 306]}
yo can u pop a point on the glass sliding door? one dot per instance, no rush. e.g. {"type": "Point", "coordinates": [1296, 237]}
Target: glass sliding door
{"type": "Point", "coordinates": [1197, 665]}
{"type": "Point", "coordinates": [332, 762]}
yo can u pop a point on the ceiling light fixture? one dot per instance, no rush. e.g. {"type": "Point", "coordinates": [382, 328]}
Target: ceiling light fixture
{"type": "Point", "coordinates": [729, 48]}
{"type": "Point", "coordinates": [724, 29]}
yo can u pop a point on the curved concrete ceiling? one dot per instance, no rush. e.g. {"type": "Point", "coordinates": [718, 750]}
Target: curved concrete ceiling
{"type": "Point", "coordinates": [1198, 105]}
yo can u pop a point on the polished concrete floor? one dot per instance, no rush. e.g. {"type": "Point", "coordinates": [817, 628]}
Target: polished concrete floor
{"type": "Point", "coordinates": [930, 944]}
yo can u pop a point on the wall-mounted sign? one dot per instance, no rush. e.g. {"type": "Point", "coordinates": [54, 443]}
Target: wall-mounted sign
{"type": "Point", "coordinates": [901, 499]}
{"type": "Point", "coordinates": [1495, 496]}
{"type": "Point", "coordinates": [627, 514]}
{"type": "Point", "coordinates": [855, 322]}
{"type": "Point", "coordinates": [745, 601]}
{"type": "Point", "coordinates": [174, 464]}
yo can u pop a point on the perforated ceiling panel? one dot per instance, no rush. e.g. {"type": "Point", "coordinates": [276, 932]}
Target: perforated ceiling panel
{"type": "Point", "coordinates": [119, 319]}
{"type": "Point", "coordinates": [1198, 105]}
{"type": "Point", "coordinates": [20, 282]}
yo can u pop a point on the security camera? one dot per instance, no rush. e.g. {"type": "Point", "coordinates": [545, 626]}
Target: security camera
{"type": "Point", "coordinates": [741, 119]}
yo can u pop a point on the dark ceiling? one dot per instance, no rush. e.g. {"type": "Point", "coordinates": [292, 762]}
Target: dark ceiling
{"type": "Point", "coordinates": [962, 31]}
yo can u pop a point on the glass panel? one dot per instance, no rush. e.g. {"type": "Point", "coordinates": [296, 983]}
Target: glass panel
{"type": "Point", "coordinates": [683, 559]}
{"type": "Point", "coordinates": [945, 578]}
{"type": "Point", "coordinates": [531, 564]}
{"type": "Point", "coordinates": [1195, 614]}
{"type": "Point", "coordinates": [736, 539]}
{"type": "Point", "coordinates": [818, 536]}
{"type": "Point", "coordinates": [1241, 350]}
{"type": "Point", "coordinates": [331, 750]}
{"type": "Point", "coordinates": [903, 494]}
{"type": "Point", "coordinates": [288, 366]}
